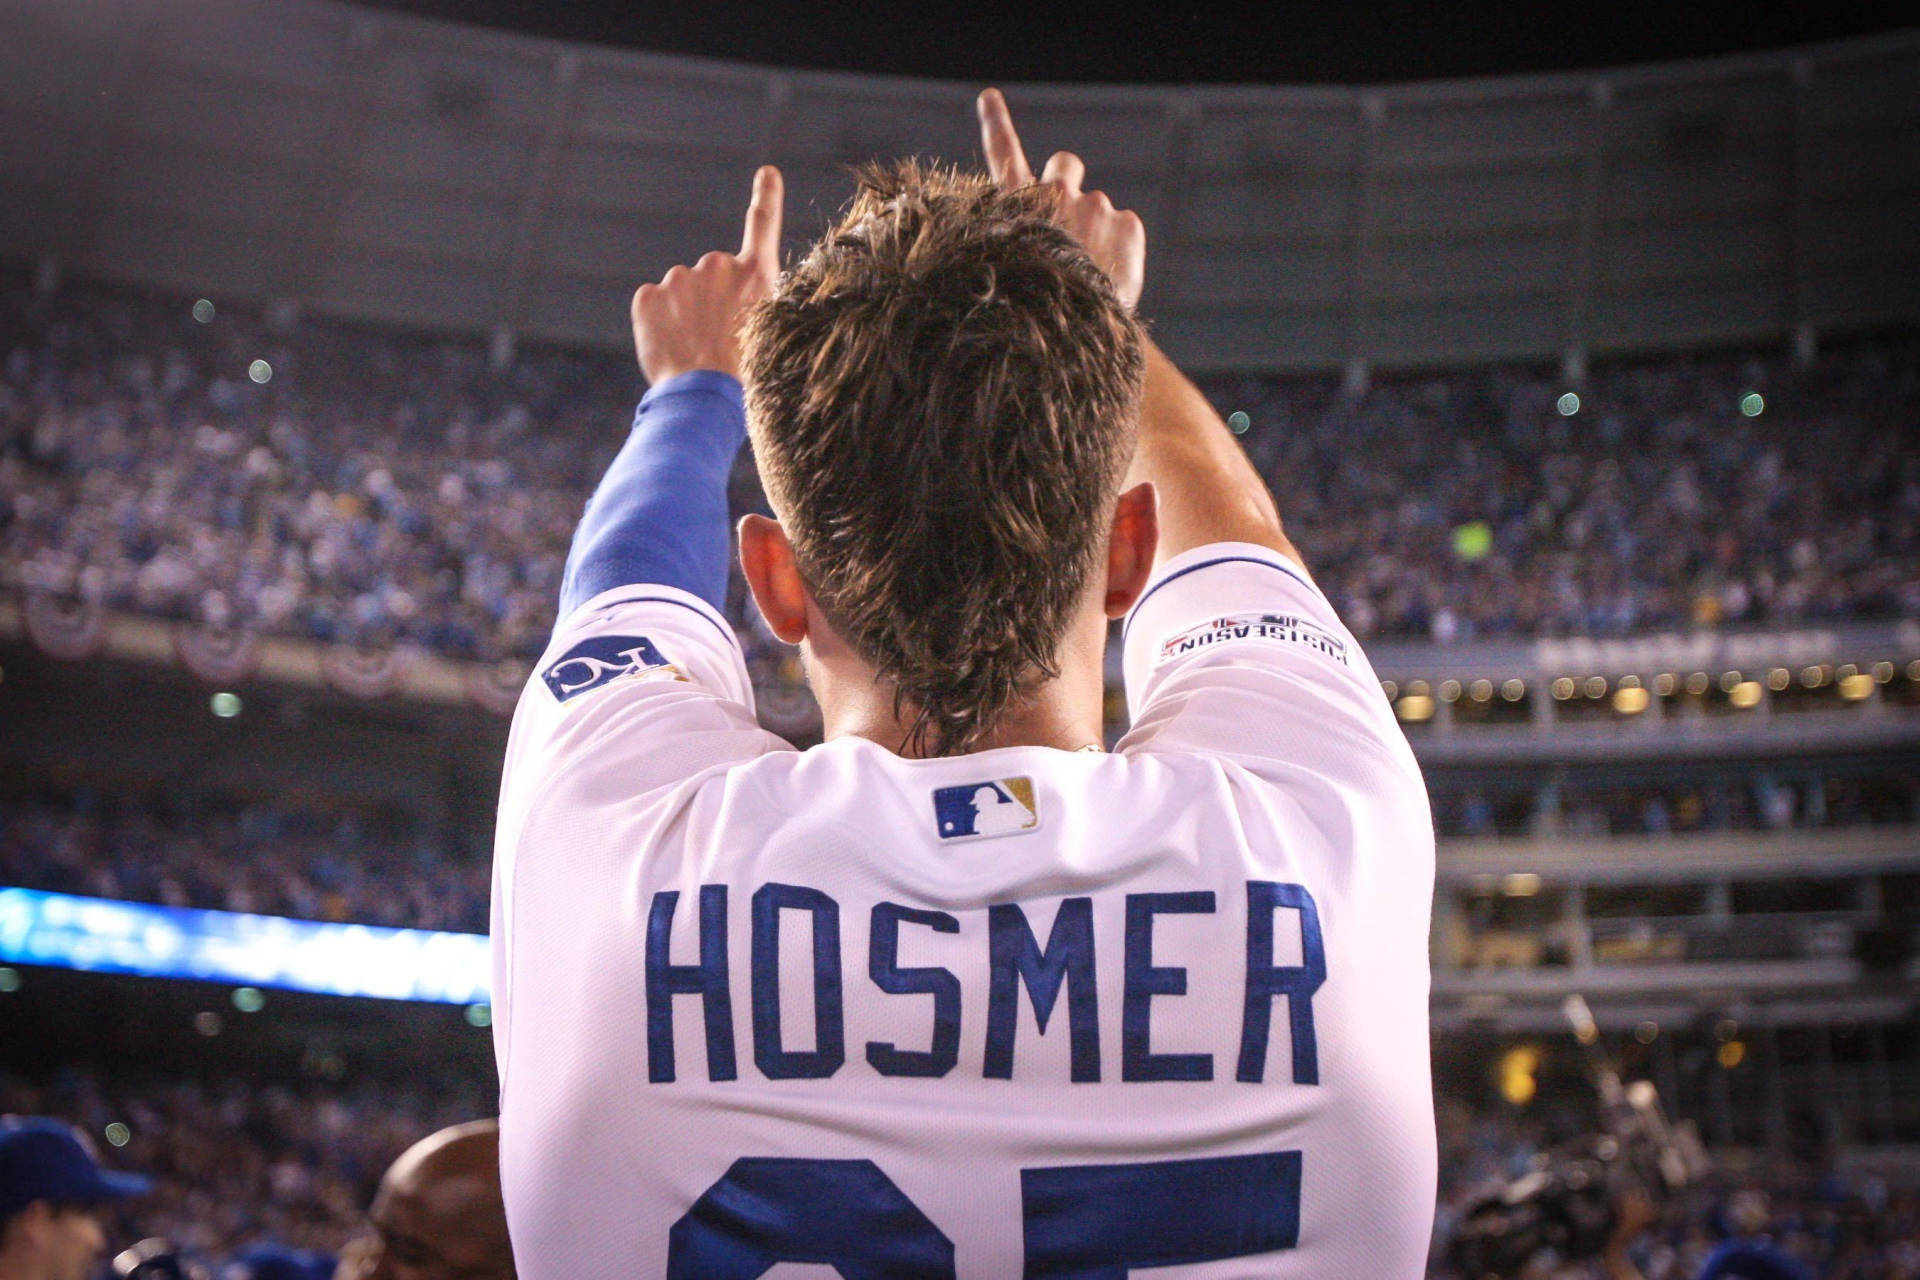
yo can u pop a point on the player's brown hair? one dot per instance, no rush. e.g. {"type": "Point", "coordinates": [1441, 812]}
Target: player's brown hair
{"type": "Point", "coordinates": [943, 397]}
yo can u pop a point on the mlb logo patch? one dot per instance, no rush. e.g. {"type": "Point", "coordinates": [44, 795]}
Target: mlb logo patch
{"type": "Point", "coordinates": [995, 807]}
{"type": "Point", "coordinates": [600, 660]}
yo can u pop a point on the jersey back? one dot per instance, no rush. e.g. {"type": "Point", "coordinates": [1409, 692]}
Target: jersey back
{"type": "Point", "coordinates": [1023, 1012]}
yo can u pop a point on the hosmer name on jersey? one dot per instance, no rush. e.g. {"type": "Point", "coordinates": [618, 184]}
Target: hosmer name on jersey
{"type": "Point", "coordinates": [1280, 627]}
{"type": "Point", "coordinates": [1067, 964]}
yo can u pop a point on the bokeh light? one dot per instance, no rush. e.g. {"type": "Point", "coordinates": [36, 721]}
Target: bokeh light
{"type": "Point", "coordinates": [117, 1134]}
{"type": "Point", "coordinates": [225, 705]}
{"type": "Point", "coordinates": [1568, 404]}
{"type": "Point", "coordinates": [1472, 540]}
{"type": "Point", "coordinates": [248, 999]}
{"type": "Point", "coordinates": [203, 311]}
{"type": "Point", "coordinates": [1753, 404]}
{"type": "Point", "coordinates": [260, 371]}
{"type": "Point", "coordinates": [1238, 422]}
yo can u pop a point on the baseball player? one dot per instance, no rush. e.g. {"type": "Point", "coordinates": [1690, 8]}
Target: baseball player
{"type": "Point", "coordinates": [955, 993]}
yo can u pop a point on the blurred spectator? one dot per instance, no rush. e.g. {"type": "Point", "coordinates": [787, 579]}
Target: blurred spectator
{"type": "Point", "coordinates": [251, 858]}
{"type": "Point", "coordinates": [238, 1162]}
{"type": "Point", "coordinates": [51, 1190]}
{"type": "Point", "coordinates": [439, 1214]}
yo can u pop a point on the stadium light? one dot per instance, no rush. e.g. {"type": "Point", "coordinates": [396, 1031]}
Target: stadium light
{"type": "Point", "coordinates": [1746, 694]}
{"type": "Point", "coordinates": [1630, 700]}
{"type": "Point", "coordinates": [1415, 708]}
{"type": "Point", "coordinates": [1517, 1066]}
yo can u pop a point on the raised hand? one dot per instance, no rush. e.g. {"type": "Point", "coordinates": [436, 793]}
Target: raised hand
{"type": "Point", "coordinates": [1116, 239]}
{"type": "Point", "coordinates": [691, 319]}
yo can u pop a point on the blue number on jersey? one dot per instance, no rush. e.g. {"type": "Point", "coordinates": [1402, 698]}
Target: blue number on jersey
{"type": "Point", "coordinates": [845, 1213]}
{"type": "Point", "coordinates": [1081, 1222]}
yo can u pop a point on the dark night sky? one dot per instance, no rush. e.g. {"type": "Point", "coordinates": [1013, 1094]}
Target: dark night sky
{"type": "Point", "coordinates": [1285, 42]}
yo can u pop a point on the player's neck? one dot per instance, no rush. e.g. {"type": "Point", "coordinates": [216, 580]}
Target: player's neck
{"type": "Point", "coordinates": [1064, 713]}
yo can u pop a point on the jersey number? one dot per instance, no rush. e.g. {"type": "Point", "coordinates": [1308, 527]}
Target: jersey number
{"type": "Point", "coordinates": [1081, 1222]}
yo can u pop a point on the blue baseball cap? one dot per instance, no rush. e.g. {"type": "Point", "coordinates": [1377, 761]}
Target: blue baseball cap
{"type": "Point", "coordinates": [42, 1158]}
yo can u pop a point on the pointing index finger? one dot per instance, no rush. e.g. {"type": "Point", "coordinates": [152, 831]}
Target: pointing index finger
{"type": "Point", "coordinates": [1005, 159]}
{"type": "Point", "coordinates": [761, 240]}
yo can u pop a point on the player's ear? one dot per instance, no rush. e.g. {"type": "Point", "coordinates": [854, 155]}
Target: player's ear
{"type": "Point", "coordinates": [766, 558]}
{"type": "Point", "coordinates": [1136, 535]}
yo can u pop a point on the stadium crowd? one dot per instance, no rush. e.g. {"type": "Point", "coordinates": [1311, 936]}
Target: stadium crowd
{"type": "Point", "coordinates": [253, 858]}
{"type": "Point", "coordinates": [324, 480]}
{"type": "Point", "coordinates": [1763, 801]}
{"type": "Point", "coordinates": [237, 1161]}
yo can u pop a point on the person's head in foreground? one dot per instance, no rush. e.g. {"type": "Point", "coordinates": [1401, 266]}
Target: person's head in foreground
{"type": "Point", "coordinates": [51, 1190]}
{"type": "Point", "coordinates": [438, 1213]}
{"type": "Point", "coordinates": [943, 398]}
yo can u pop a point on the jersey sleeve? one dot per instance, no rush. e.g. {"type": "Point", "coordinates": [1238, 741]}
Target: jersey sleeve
{"type": "Point", "coordinates": [1234, 652]}
{"type": "Point", "coordinates": [646, 688]}
{"type": "Point", "coordinates": [653, 675]}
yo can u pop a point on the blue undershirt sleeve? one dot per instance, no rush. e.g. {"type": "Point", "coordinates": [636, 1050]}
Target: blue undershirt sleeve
{"type": "Point", "coordinates": [660, 514]}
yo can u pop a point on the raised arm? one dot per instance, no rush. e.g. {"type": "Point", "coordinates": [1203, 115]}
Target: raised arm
{"type": "Point", "coordinates": [1208, 490]}
{"type": "Point", "coordinates": [660, 514]}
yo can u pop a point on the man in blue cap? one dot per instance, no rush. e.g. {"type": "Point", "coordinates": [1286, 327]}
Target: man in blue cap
{"type": "Point", "coordinates": [51, 1187]}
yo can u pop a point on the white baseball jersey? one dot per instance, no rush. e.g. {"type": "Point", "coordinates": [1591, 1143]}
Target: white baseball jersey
{"type": "Point", "coordinates": [1025, 1012]}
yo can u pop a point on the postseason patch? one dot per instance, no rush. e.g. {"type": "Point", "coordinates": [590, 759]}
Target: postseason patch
{"type": "Point", "coordinates": [1281, 628]}
{"type": "Point", "coordinates": [995, 807]}
{"type": "Point", "coordinates": [600, 660]}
